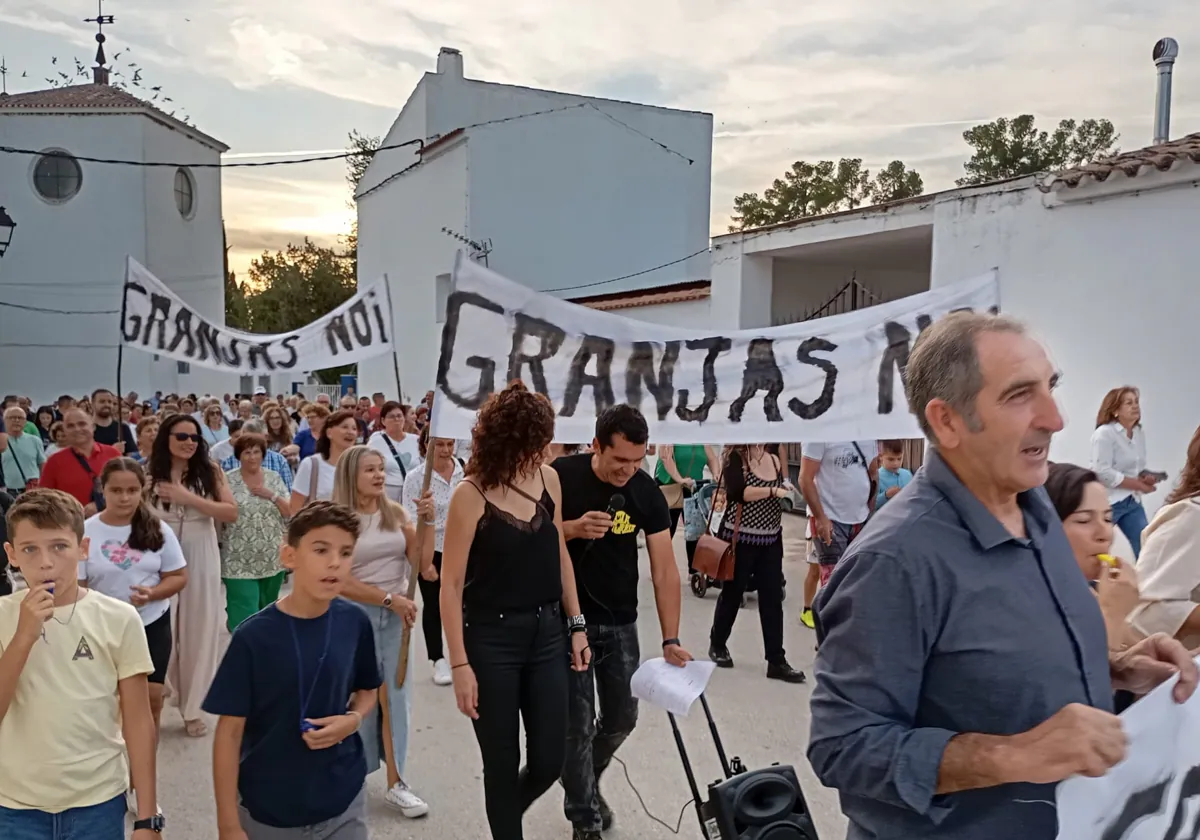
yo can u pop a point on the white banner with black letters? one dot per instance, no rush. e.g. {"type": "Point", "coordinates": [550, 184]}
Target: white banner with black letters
{"type": "Point", "coordinates": [835, 378]}
{"type": "Point", "coordinates": [155, 319]}
{"type": "Point", "coordinates": [1154, 793]}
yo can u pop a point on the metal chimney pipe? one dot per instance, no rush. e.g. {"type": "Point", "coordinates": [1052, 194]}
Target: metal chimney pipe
{"type": "Point", "coordinates": [1165, 53]}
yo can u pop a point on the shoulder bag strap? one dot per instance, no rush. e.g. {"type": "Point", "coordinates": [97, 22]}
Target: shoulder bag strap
{"type": "Point", "coordinates": [12, 450]}
{"type": "Point", "coordinates": [395, 454]}
{"type": "Point", "coordinates": [314, 461]}
{"type": "Point", "coordinates": [867, 468]}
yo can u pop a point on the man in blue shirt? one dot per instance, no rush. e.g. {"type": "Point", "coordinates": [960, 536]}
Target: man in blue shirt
{"type": "Point", "coordinates": [963, 668]}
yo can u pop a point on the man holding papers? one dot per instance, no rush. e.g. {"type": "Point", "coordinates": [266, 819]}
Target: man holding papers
{"type": "Point", "coordinates": [963, 668]}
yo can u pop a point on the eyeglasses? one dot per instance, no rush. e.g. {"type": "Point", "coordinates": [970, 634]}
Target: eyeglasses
{"type": "Point", "coordinates": [184, 437]}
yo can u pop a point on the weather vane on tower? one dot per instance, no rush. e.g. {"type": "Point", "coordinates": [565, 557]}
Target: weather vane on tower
{"type": "Point", "coordinates": [100, 72]}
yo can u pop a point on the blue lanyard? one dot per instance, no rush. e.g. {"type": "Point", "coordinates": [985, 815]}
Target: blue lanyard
{"type": "Point", "coordinates": [305, 699]}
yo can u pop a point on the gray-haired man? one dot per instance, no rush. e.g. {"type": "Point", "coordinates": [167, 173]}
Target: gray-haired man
{"type": "Point", "coordinates": [963, 667]}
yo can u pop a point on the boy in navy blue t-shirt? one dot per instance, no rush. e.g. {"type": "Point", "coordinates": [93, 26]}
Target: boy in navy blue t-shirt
{"type": "Point", "coordinates": [291, 693]}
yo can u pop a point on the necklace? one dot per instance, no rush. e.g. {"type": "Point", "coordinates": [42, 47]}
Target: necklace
{"type": "Point", "coordinates": [79, 597]}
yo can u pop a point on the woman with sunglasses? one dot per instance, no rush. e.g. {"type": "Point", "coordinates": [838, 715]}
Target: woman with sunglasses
{"type": "Point", "coordinates": [190, 494]}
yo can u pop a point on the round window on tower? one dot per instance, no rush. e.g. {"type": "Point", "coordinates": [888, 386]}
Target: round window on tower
{"type": "Point", "coordinates": [57, 176]}
{"type": "Point", "coordinates": [185, 192]}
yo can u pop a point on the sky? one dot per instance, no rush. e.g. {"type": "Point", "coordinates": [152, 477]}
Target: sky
{"type": "Point", "coordinates": [784, 80]}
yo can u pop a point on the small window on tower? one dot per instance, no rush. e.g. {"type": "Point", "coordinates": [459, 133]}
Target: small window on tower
{"type": "Point", "coordinates": [185, 192]}
{"type": "Point", "coordinates": [57, 176]}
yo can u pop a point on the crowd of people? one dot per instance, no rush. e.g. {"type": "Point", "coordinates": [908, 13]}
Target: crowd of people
{"type": "Point", "coordinates": [143, 533]}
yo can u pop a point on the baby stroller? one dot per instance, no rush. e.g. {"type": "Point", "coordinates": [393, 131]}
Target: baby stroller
{"type": "Point", "coordinates": [695, 518]}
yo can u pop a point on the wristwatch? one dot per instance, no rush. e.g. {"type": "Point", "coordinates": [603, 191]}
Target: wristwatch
{"type": "Point", "coordinates": [156, 824]}
{"type": "Point", "coordinates": [387, 600]}
{"type": "Point", "coordinates": [670, 642]}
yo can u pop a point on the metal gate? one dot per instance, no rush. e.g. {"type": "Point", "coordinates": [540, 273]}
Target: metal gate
{"type": "Point", "coordinates": [849, 298]}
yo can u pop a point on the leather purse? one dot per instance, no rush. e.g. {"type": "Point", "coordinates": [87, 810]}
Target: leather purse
{"type": "Point", "coordinates": [714, 557]}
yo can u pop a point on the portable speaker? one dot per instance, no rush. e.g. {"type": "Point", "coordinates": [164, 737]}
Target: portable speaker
{"type": "Point", "coordinates": [762, 804]}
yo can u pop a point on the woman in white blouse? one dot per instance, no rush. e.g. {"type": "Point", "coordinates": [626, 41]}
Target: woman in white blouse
{"type": "Point", "coordinates": [1119, 461]}
{"type": "Point", "coordinates": [447, 473]}
{"type": "Point", "coordinates": [1169, 568]}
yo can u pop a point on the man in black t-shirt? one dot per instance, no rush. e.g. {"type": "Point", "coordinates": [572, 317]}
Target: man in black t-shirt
{"type": "Point", "coordinates": [606, 500]}
{"type": "Point", "coordinates": [109, 428]}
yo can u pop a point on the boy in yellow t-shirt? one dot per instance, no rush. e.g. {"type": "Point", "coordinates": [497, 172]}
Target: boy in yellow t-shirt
{"type": "Point", "coordinates": [73, 691]}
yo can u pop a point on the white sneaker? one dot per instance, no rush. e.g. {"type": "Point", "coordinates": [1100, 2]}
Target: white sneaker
{"type": "Point", "coordinates": [441, 673]}
{"type": "Point", "coordinates": [406, 802]}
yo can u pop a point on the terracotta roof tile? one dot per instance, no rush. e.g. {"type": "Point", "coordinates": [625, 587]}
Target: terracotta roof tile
{"type": "Point", "coordinates": [674, 293]}
{"type": "Point", "coordinates": [96, 98]}
{"type": "Point", "coordinates": [1161, 157]}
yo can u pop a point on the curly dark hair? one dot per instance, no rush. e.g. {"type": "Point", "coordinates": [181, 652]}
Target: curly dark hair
{"type": "Point", "coordinates": [201, 474]}
{"type": "Point", "coordinates": [511, 434]}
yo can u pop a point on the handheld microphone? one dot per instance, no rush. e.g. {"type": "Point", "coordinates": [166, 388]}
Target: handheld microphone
{"type": "Point", "coordinates": [615, 504]}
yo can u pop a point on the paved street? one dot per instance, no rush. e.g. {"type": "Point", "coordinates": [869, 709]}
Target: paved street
{"type": "Point", "coordinates": [762, 721]}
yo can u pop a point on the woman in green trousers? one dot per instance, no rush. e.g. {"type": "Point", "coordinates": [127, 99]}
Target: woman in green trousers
{"type": "Point", "coordinates": [250, 546]}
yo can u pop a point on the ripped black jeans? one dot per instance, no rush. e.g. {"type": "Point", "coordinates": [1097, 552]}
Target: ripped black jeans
{"type": "Point", "coordinates": [603, 713]}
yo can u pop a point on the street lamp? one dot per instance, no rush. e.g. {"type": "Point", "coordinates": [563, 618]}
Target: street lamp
{"type": "Point", "coordinates": [7, 226]}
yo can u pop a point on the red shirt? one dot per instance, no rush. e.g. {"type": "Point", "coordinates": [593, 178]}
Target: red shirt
{"type": "Point", "coordinates": [63, 471]}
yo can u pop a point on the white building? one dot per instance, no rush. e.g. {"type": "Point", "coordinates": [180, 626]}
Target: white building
{"type": "Point", "coordinates": [1100, 261]}
{"type": "Point", "coordinates": [564, 192]}
{"type": "Point", "coordinates": [77, 221]}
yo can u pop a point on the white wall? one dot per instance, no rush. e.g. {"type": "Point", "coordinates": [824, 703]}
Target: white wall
{"type": "Point", "coordinates": [68, 256]}
{"type": "Point", "coordinates": [1110, 286]}
{"type": "Point", "coordinates": [71, 256]}
{"type": "Point", "coordinates": [399, 234]}
{"type": "Point", "coordinates": [572, 198]}
{"type": "Point", "coordinates": [185, 253]}
{"type": "Point", "coordinates": [688, 314]}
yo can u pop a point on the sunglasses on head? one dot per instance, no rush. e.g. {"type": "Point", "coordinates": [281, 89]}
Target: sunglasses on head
{"type": "Point", "coordinates": [184, 437]}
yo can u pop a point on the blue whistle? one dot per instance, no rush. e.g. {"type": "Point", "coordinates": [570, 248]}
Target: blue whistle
{"type": "Point", "coordinates": [305, 726]}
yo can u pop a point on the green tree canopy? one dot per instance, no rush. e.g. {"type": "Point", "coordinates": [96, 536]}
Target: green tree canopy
{"type": "Point", "coordinates": [812, 189]}
{"type": "Point", "coordinates": [291, 288]}
{"type": "Point", "coordinates": [1008, 148]}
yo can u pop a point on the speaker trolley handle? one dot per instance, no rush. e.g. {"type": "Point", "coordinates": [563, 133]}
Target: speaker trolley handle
{"type": "Point", "coordinates": [697, 800]}
{"type": "Point", "coordinates": [712, 727]}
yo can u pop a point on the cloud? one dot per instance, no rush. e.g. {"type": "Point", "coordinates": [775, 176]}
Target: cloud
{"type": "Point", "coordinates": [784, 80]}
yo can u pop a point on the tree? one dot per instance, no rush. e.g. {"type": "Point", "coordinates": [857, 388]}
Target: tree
{"type": "Point", "coordinates": [237, 312]}
{"type": "Point", "coordinates": [1010, 148]}
{"type": "Point", "coordinates": [362, 150]}
{"type": "Point", "coordinates": [809, 189]}
{"type": "Point", "coordinates": [292, 288]}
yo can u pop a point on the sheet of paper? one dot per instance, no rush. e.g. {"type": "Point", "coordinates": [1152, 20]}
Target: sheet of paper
{"type": "Point", "coordinates": [668, 687]}
{"type": "Point", "coordinates": [1153, 793]}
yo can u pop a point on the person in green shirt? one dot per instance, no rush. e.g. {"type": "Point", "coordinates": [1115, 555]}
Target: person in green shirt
{"type": "Point", "coordinates": [680, 468]}
{"type": "Point", "coordinates": [23, 457]}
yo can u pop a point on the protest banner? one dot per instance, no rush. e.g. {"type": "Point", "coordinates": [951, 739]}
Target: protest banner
{"type": "Point", "coordinates": [835, 378]}
{"type": "Point", "coordinates": [1154, 793]}
{"type": "Point", "coordinates": [156, 320]}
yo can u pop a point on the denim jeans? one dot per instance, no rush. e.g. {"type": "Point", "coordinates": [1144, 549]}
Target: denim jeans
{"type": "Point", "coordinates": [520, 662]}
{"type": "Point", "coordinates": [105, 821]}
{"type": "Point", "coordinates": [1130, 517]}
{"type": "Point", "coordinates": [593, 737]}
{"type": "Point", "coordinates": [389, 632]}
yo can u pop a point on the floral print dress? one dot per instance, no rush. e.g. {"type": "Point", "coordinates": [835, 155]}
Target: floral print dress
{"type": "Point", "coordinates": [250, 546]}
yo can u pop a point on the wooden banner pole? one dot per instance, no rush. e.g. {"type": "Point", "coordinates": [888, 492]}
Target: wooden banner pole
{"type": "Point", "coordinates": [406, 639]}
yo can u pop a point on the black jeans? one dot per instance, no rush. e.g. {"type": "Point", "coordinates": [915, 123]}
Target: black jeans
{"type": "Point", "coordinates": [520, 663]}
{"type": "Point", "coordinates": [593, 739]}
{"type": "Point", "coordinates": [431, 615]}
{"type": "Point", "coordinates": [765, 562]}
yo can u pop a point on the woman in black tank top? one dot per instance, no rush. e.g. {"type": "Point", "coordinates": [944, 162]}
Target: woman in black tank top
{"type": "Point", "coordinates": [507, 582]}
